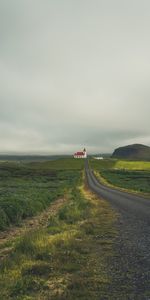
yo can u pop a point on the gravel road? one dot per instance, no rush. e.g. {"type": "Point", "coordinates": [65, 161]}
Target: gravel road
{"type": "Point", "coordinates": [130, 266]}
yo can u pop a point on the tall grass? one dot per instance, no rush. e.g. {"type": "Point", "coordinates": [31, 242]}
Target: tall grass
{"type": "Point", "coordinates": [27, 189]}
{"type": "Point", "coordinates": [66, 260]}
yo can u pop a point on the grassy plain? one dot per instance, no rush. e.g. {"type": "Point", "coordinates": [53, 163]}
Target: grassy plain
{"type": "Point", "coordinates": [59, 164]}
{"type": "Point", "coordinates": [130, 175]}
{"type": "Point", "coordinates": [69, 259]}
{"type": "Point", "coordinates": [27, 189]}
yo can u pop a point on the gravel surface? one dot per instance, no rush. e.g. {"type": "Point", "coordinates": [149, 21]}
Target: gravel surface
{"type": "Point", "coordinates": [130, 267]}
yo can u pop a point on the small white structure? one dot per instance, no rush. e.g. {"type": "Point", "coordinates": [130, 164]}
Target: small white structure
{"type": "Point", "coordinates": [98, 157]}
{"type": "Point", "coordinates": [82, 154]}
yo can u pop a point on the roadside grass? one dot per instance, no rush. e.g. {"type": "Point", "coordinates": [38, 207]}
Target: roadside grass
{"type": "Point", "coordinates": [67, 260]}
{"type": "Point", "coordinates": [120, 164]}
{"type": "Point", "coordinates": [133, 165]}
{"type": "Point", "coordinates": [27, 189]}
{"type": "Point", "coordinates": [133, 176]}
{"type": "Point", "coordinates": [132, 180]}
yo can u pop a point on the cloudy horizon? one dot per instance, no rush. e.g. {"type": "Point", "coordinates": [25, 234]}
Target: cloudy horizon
{"type": "Point", "coordinates": [74, 74]}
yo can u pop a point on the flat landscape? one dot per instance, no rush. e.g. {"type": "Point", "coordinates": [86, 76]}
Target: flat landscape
{"type": "Point", "coordinates": [59, 240]}
{"type": "Point", "coordinates": [74, 150]}
{"type": "Point", "coordinates": [63, 255]}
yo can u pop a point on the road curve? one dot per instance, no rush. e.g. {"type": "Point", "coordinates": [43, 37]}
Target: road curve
{"type": "Point", "coordinates": [130, 264]}
{"type": "Point", "coordinates": [125, 202]}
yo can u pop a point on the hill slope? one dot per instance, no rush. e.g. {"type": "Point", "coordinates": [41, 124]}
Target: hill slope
{"type": "Point", "coordinates": [135, 151]}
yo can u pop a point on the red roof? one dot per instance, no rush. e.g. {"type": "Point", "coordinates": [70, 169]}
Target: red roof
{"type": "Point", "coordinates": [79, 153]}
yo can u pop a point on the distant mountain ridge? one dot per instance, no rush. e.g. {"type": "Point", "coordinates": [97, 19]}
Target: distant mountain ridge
{"type": "Point", "coordinates": [135, 152]}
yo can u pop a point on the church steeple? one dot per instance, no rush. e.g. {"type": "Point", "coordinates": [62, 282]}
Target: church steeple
{"type": "Point", "coordinates": [85, 154]}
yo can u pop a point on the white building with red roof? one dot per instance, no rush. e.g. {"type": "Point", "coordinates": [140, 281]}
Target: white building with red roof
{"type": "Point", "coordinates": [81, 154]}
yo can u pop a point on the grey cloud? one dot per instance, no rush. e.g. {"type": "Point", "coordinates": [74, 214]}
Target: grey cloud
{"type": "Point", "coordinates": [74, 73]}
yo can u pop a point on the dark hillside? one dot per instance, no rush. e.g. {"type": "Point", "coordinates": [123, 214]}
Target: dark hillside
{"type": "Point", "coordinates": [134, 152]}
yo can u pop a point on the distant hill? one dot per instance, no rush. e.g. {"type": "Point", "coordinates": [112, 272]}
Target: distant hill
{"type": "Point", "coordinates": [135, 152]}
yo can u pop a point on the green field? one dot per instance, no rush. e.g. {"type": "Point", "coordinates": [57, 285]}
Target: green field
{"type": "Point", "coordinates": [60, 164]}
{"type": "Point", "coordinates": [69, 258]}
{"type": "Point", "coordinates": [27, 189]}
{"type": "Point", "coordinates": [130, 175]}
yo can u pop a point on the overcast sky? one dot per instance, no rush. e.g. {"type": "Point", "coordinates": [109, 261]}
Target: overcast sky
{"type": "Point", "coordinates": [74, 74]}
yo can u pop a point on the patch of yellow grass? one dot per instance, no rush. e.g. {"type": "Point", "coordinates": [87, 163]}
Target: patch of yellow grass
{"type": "Point", "coordinates": [132, 165]}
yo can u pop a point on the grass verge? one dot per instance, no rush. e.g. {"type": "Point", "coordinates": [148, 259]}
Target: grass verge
{"type": "Point", "coordinates": [128, 176]}
{"type": "Point", "coordinates": [67, 260]}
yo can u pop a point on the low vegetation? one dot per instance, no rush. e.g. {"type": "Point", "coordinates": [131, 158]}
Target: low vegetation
{"type": "Point", "coordinates": [59, 164]}
{"type": "Point", "coordinates": [27, 189]}
{"type": "Point", "coordinates": [130, 175]}
{"type": "Point", "coordinates": [131, 180]}
{"type": "Point", "coordinates": [70, 256]}
{"type": "Point", "coordinates": [120, 164]}
{"type": "Point", "coordinates": [69, 259]}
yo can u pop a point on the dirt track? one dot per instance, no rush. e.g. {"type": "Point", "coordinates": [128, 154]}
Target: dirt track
{"type": "Point", "coordinates": [38, 221]}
